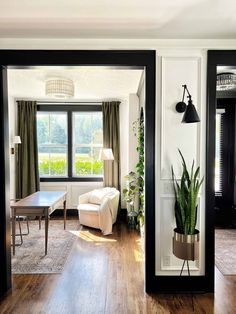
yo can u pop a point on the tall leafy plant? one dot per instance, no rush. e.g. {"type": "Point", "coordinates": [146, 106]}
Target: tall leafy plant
{"type": "Point", "coordinates": [138, 128]}
{"type": "Point", "coordinates": [135, 180]}
{"type": "Point", "coordinates": [186, 194]}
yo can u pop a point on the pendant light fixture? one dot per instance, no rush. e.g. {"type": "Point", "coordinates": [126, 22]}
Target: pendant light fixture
{"type": "Point", "coordinates": [225, 81]}
{"type": "Point", "coordinates": [59, 88]}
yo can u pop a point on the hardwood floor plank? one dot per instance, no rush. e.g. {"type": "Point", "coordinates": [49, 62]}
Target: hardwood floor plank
{"type": "Point", "coordinates": [106, 275]}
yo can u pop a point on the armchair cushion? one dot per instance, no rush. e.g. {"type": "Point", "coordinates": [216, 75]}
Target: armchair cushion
{"type": "Point", "coordinates": [97, 196]}
{"type": "Point", "coordinates": [91, 208]}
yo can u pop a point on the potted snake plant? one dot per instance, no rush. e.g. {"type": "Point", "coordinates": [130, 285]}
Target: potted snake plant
{"type": "Point", "coordinates": [186, 236]}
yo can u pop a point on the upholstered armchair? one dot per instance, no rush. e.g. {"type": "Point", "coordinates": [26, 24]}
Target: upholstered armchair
{"type": "Point", "coordinates": [98, 209]}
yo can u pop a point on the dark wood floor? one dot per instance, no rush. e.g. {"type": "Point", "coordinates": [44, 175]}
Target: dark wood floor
{"type": "Point", "coordinates": [105, 275]}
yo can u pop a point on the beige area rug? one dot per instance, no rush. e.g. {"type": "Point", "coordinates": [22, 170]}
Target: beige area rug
{"type": "Point", "coordinates": [30, 256]}
{"type": "Point", "coordinates": [225, 251]}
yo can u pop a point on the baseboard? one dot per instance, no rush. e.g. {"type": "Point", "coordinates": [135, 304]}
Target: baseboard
{"type": "Point", "coordinates": [69, 212]}
{"type": "Point", "coordinates": [122, 214]}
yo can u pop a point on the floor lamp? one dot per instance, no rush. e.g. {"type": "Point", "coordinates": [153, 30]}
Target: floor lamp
{"type": "Point", "coordinates": [106, 154]}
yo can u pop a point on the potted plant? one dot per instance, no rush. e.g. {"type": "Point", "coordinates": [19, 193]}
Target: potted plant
{"type": "Point", "coordinates": [186, 236]}
{"type": "Point", "coordinates": [131, 195]}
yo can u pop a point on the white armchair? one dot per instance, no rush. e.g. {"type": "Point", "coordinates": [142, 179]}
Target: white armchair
{"type": "Point", "coordinates": [98, 209]}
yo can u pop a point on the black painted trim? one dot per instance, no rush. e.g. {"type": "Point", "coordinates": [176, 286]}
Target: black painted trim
{"type": "Point", "coordinates": [136, 58]}
{"type": "Point", "coordinates": [69, 137]}
{"type": "Point", "coordinates": [69, 107]}
{"type": "Point", "coordinates": [72, 179]}
{"type": "Point", "coordinates": [149, 125]}
{"type": "Point", "coordinates": [5, 233]}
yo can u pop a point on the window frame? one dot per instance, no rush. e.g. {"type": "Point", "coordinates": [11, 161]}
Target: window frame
{"type": "Point", "coordinates": [70, 108]}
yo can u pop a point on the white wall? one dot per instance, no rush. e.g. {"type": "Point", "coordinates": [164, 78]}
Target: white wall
{"type": "Point", "coordinates": [124, 131]}
{"type": "Point", "coordinates": [141, 91]}
{"type": "Point", "coordinates": [132, 138]}
{"type": "Point", "coordinates": [12, 133]}
{"type": "Point", "coordinates": [74, 189]}
{"type": "Point", "coordinates": [175, 71]}
{"type": "Point", "coordinates": [178, 62]}
{"type": "Point", "coordinates": [129, 113]}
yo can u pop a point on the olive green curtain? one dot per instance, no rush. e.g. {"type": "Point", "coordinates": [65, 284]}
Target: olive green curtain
{"type": "Point", "coordinates": [27, 176]}
{"type": "Point", "coordinates": [111, 139]}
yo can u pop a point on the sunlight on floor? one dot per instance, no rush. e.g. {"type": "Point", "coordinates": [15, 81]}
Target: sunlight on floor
{"type": "Point", "coordinates": [89, 237]}
{"type": "Point", "coordinates": [138, 255]}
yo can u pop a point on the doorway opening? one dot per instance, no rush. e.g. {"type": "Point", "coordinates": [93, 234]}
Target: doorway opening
{"type": "Point", "coordinates": [220, 165]}
{"type": "Point", "coordinates": [224, 208]}
{"type": "Point", "coordinates": [22, 59]}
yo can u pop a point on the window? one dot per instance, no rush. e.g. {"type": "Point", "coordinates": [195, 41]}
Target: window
{"type": "Point", "coordinates": [52, 144]}
{"type": "Point", "coordinates": [87, 142]}
{"type": "Point", "coordinates": [219, 152]}
{"type": "Point", "coordinates": [69, 141]}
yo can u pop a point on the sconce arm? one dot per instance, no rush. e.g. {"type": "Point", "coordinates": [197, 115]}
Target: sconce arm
{"type": "Point", "coordinates": [186, 89]}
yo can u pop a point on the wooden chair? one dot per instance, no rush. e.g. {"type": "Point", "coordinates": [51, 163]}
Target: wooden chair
{"type": "Point", "coordinates": [19, 219]}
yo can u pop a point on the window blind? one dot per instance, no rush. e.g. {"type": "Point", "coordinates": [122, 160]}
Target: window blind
{"type": "Point", "coordinates": [219, 152]}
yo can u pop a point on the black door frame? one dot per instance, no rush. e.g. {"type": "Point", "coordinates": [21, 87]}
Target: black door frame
{"type": "Point", "coordinates": [21, 58]}
{"type": "Point", "coordinates": [215, 58]}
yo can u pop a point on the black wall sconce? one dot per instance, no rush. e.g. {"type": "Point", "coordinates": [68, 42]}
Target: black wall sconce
{"type": "Point", "coordinates": [190, 112]}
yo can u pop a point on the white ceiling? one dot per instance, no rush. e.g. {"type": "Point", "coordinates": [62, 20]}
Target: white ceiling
{"type": "Point", "coordinates": [92, 83]}
{"type": "Point", "coordinates": [118, 19]}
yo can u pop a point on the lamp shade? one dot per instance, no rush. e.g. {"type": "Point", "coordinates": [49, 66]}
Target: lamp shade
{"type": "Point", "coordinates": [190, 114]}
{"type": "Point", "coordinates": [16, 139]}
{"type": "Point", "coordinates": [106, 154]}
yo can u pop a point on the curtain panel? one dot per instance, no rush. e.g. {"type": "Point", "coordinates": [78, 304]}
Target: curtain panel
{"type": "Point", "coordinates": [27, 175]}
{"type": "Point", "coordinates": [111, 139]}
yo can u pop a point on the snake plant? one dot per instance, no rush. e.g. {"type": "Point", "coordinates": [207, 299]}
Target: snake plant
{"type": "Point", "coordinates": [186, 194]}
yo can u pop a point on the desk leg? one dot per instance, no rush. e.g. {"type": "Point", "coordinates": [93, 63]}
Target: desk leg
{"type": "Point", "coordinates": [46, 231]}
{"type": "Point", "coordinates": [64, 205]}
{"type": "Point", "coordinates": [13, 231]}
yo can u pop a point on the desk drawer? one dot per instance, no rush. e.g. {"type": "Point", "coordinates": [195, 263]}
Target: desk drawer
{"type": "Point", "coordinates": [29, 211]}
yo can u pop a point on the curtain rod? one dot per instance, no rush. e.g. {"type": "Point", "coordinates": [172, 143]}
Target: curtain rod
{"type": "Point", "coordinates": [68, 103]}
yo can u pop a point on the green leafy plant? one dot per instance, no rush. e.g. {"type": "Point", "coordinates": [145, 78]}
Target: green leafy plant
{"type": "Point", "coordinates": [138, 128]}
{"type": "Point", "coordinates": [186, 193]}
{"type": "Point", "coordinates": [132, 189]}
{"type": "Point", "coordinates": [135, 181]}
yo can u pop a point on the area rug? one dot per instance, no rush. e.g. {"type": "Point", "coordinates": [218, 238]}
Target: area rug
{"type": "Point", "coordinates": [225, 251]}
{"type": "Point", "coordinates": [30, 257]}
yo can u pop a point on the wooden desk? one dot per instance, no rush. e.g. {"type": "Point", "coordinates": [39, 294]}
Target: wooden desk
{"type": "Point", "coordinates": [41, 203]}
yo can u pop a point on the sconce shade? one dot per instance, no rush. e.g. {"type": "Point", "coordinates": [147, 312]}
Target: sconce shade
{"type": "Point", "coordinates": [190, 115]}
{"type": "Point", "coordinates": [106, 154]}
{"type": "Point", "coordinates": [16, 140]}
